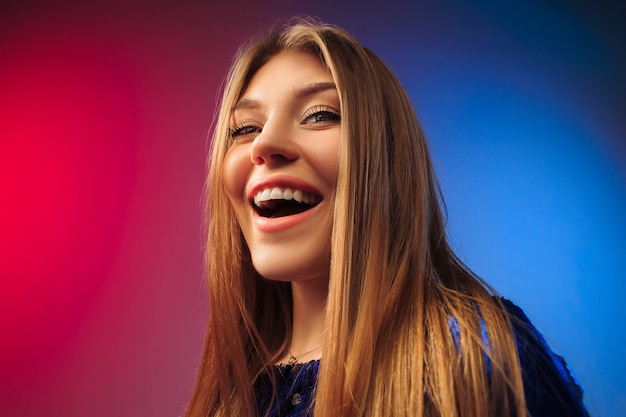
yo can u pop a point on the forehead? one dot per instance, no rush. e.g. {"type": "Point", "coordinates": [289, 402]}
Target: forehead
{"type": "Point", "coordinates": [286, 73]}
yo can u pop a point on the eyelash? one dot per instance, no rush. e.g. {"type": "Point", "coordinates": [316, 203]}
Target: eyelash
{"type": "Point", "coordinates": [239, 130]}
{"type": "Point", "coordinates": [331, 116]}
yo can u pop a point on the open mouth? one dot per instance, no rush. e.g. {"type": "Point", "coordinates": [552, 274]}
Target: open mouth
{"type": "Point", "coordinates": [277, 202]}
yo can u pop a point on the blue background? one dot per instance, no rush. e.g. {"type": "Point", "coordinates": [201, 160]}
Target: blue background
{"type": "Point", "coordinates": [523, 104]}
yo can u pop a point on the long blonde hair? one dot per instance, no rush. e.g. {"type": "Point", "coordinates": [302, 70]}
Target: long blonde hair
{"type": "Point", "coordinates": [410, 330]}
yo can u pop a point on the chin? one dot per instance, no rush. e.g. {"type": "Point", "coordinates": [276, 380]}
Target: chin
{"type": "Point", "coordinates": [276, 269]}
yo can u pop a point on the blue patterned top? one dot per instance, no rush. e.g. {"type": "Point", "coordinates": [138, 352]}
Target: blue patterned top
{"type": "Point", "coordinates": [549, 384]}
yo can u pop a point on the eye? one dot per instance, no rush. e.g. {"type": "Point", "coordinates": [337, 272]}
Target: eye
{"type": "Point", "coordinates": [321, 114]}
{"type": "Point", "coordinates": [244, 129]}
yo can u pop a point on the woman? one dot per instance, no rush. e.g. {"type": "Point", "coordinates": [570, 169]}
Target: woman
{"type": "Point", "coordinates": [333, 290]}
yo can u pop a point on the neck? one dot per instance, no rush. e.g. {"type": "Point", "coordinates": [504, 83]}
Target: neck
{"type": "Point", "coordinates": [309, 301]}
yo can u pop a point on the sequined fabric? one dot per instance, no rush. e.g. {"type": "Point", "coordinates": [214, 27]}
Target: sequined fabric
{"type": "Point", "coordinates": [295, 386]}
{"type": "Point", "coordinates": [550, 387]}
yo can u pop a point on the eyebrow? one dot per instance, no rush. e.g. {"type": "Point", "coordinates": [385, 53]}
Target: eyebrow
{"type": "Point", "coordinates": [299, 93]}
{"type": "Point", "coordinates": [313, 88]}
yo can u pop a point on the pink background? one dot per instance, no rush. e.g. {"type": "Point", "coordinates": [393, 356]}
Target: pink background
{"type": "Point", "coordinates": [105, 109]}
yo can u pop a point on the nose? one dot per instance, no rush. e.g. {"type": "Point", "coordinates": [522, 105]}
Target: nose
{"type": "Point", "coordinates": [274, 146]}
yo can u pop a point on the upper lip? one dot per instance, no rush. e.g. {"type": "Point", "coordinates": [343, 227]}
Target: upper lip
{"type": "Point", "coordinates": [282, 181]}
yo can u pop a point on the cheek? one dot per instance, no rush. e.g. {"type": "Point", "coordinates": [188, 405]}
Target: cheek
{"type": "Point", "coordinates": [235, 173]}
{"type": "Point", "coordinates": [326, 160]}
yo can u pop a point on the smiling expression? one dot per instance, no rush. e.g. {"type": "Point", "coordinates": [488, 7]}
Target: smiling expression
{"type": "Point", "coordinates": [281, 169]}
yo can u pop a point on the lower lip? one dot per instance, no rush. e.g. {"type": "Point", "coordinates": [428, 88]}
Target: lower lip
{"type": "Point", "coordinates": [277, 224]}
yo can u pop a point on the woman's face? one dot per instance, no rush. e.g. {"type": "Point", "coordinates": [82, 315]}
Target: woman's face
{"type": "Point", "coordinates": [281, 170]}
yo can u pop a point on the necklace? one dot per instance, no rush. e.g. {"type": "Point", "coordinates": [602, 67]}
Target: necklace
{"type": "Point", "coordinates": [294, 359]}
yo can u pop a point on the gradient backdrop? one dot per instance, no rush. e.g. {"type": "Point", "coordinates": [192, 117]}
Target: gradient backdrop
{"type": "Point", "coordinates": [105, 108]}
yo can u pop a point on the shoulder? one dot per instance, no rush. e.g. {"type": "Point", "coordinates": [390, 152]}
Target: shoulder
{"type": "Point", "coordinates": [549, 384]}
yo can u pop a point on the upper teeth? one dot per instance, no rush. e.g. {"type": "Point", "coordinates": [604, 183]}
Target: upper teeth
{"type": "Point", "coordinates": [286, 194]}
